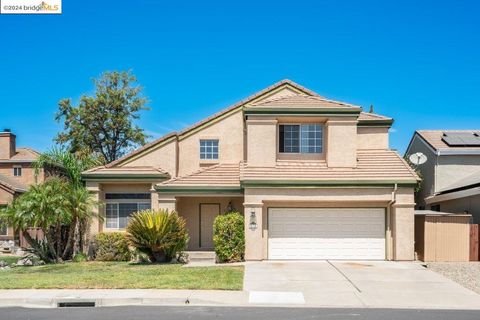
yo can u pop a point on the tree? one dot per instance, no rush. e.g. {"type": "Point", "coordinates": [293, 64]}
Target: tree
{"type": "Point", "coordinates": [60, 162]}
{"type": "Point", "coordinates": [42, 206]}
{"type": "Point", "coordinates": [103, 123]}
{"type": "Point", "coordinates": [58, 208]}
{"type": "Point", "coordinates": [78, 201]}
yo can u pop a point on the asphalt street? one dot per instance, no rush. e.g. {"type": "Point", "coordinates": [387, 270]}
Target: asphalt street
{"type": "Point", "coordinates": [219, 313]}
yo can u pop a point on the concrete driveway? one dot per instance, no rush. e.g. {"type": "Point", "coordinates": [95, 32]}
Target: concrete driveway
{"type": "Point", "coordinates": [378, 284]}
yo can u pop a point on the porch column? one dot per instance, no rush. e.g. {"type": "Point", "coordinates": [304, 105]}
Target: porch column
{"type": "Point", "coordinates": [167, 202]}
{"type": "Point", "coordinates": [95, 225]}
{"type": "Point", "coordinates": [153, 197]}
{"type": "Point", "coordinates": [402, 215]}
{"type": "Point", "coordinates": [253, 237]}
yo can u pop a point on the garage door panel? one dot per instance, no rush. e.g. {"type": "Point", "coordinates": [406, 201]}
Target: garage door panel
{"type": "Point", "coordinates": [326, 233]}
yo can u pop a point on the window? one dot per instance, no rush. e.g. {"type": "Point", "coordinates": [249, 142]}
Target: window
{"type": "Point", "coordinates": [118, 214]}
{"type": "Point", "coordinates": [304, 138]}
{"type": "Point", "coordinates": [435, 207]}
{"type": "Point", "coordinates": [209, 149]}
{"type": "Point", "coordinates": [17, 171]}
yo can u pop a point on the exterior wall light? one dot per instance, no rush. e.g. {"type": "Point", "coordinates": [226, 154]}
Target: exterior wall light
{"type": "Point", "coordinates": [253, 221]}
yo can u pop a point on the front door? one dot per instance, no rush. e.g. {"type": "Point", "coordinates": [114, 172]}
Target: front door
{"type": "Point", "coordinates": [208, 213]}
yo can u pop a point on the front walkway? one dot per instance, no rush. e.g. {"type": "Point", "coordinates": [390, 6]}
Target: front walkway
{"type": "Point", "coordinates": [378, 284]}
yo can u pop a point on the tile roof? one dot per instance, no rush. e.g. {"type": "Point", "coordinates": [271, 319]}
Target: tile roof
{"type": "Point", "coordinates": [372, 165]}
{"type": "Point", "coordinates": [219, 175]}
{"type": "Point", "coordinates": [434, 139]}
{"type": "Point", "coordinates": [366, 116]}
{"type": "Point", "coordinates": [125, 171]}
{"type": "Point", "coordinates": [12, 184]}
{"type": "Point", "coordinates": [303, 101]}
{"type": "Point", "coordinates": [23, 155]}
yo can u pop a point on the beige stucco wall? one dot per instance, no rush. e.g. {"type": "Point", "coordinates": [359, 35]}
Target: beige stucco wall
{"type": "Point", "coordinates": [163, 157]}
{"type": "Point", "coordinates": [189, 208]}
{"type": "Point", "coordinates": [341, 143]}
{"type": "Point", "coordinates": [260, 199]}
{"type": "Point", "coordinates": [100, 189]}
{"type": "Point", "coordinates": [230, 133]}
{"type": "Point", "coordinates": [372, 138]}
{"type": "Point", "coordinates": [261, 142]}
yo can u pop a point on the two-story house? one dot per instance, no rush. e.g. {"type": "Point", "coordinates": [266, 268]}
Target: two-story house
{"type": "Point", "coordinates": [451, 174]}
{"type": "Point", "coordinates": [16, 174]}
{"type": "Point", "coordinates": [314, 178]}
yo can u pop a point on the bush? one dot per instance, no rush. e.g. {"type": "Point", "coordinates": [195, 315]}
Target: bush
{"type": "Point", "coordinates": [229, 237]}
{"type": "Point", "coordinates": [111, 246]}
{"type": "Point", "coordinates": [158, 233]}
{"type": "Point", "coordinates": [80, 257]}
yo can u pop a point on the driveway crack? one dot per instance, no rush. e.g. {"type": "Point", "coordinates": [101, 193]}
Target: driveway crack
{"type": "Point", "coordinates": [343, 274]}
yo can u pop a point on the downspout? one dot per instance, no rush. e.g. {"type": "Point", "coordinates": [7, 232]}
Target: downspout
{"type": "Point", "coordinates": [389, 238]}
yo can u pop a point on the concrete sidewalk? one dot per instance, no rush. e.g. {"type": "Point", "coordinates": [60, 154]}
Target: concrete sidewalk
{"type": "Point", "coordinates": [49, 298]}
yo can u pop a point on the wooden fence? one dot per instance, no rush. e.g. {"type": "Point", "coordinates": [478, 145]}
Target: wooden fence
{"type": "Point", "coordinates": [474, 242]}
{"type": "Point", "coordinates": [35, 233]}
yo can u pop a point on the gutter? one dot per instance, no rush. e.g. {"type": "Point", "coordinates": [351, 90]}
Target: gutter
{"type": "Point", "coordinates": [389, 238]}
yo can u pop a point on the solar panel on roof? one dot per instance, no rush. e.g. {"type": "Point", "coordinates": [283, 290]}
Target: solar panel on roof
{"type": "Point", "coordinates": [461, 139]}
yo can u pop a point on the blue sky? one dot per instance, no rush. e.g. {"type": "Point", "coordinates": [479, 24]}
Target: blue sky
{"type": "Point", "coordinates": [416, 61]}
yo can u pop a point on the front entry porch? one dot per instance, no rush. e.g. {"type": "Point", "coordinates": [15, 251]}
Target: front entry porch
{"type": "Point", "coordinates": [200, 213]}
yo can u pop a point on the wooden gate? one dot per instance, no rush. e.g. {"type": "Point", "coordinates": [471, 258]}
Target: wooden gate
{"type": "Point", "coordinates": [35, 233]}
{"type": "Point", "coordinates": [474, 242]}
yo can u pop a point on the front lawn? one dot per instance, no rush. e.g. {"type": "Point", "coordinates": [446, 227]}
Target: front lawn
{"type": "Point", "coordinates": [121, 275]}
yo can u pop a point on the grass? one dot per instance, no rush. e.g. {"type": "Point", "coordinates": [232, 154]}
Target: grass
{"type": "Point", "coordinates": [121, 275]}
{"type": "Point", "coordinates": [9, 259]}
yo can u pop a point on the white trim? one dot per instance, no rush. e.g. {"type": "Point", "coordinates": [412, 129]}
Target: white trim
{"type": "Point", "coordinates": [17, 167]}
{"type": "Point", "coordinates": [453, 195]}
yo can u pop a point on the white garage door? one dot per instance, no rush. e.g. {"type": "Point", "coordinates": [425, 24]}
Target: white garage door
{"type": "Point", "coordinates": [326, 233]}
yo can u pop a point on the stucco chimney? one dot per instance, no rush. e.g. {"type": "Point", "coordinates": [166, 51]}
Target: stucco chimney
{"type": "Point", "coordinates": [7, 144]}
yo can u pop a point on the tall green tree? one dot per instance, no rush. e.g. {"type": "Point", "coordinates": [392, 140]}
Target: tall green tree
{"type": "Point", "coordinates": [104, 123]}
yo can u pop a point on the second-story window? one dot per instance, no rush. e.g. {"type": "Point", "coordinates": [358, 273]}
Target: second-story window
{"type": "Point", "coordinates": [301, 138]}
{"type": "Point", "coordinates": [209, 149]}
{"type": "Point", "coordinates": [17, 171]}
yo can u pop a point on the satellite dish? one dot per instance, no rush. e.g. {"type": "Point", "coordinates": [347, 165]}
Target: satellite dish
{"type": "Point", "coordinates": [417, 158]}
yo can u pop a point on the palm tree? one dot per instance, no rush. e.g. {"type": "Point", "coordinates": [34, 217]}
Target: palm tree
{"type": "Point", "coordinates": [61, 206]}
{"type": "Point", "coordinates": [61, 162]}
{"type": "Point", "coordinates": [80, 204]}
{"type": "Point", "coordinates": [42, 206]}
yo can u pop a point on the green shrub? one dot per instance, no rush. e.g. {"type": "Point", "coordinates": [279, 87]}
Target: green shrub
{"type": "Point", "coordinates": [158, 233]}
{"type": "Point", "coordinates": [111, 246]}
{"type": "Point", "coordinates": [80, 257]}
{"type": "Point", "coordinates": [229, 237]}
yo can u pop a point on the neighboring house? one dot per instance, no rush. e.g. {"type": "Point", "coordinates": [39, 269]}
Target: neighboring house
{"type": "Point", "coordinates": [16, 174]}
{"type": "Point", "coordinates": [314, 178]}
{"type": "Point", "coordinates": [451, 175]}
